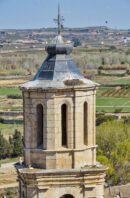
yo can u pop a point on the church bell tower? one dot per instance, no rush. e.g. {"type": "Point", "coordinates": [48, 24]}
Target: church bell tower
{"type": "Point", "coordinates": [59, 130]}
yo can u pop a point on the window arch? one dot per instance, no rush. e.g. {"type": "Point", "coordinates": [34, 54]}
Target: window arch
{"type": "Point", "coordinates": [64, 124]}
{"type": "Point", "coordinates": [85, 125]}
{"type": "Point", "coordinates": [39, 125]}
{"type": "Point", "coordinates": [67, 196]}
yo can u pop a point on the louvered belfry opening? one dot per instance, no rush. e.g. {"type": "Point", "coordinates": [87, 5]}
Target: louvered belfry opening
{"type": "Point", "coordinates": [39, 125]}
{"type": "Point", "coordinates": [64, 124]}
{"type": "Point", "coordinates": [85, 123]}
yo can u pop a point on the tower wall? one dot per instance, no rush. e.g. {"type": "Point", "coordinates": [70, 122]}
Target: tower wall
{"type": "Point", "coordinates": [52, 154]}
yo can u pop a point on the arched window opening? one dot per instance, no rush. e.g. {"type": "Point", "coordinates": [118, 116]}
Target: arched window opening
{"type": "Point", "coordinates": [85, 123]}
{"type": "Point", "coordinates": [67, 196]}
{"type": "Point", "coordinates": [39, 125]}
{"type": "Point", "coordinates": [23, 195]}
{"type": "Point", "coordinates": [64, 124]}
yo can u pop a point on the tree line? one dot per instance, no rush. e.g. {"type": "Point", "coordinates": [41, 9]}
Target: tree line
{"type": "Point", "coordinates": [11, 148]}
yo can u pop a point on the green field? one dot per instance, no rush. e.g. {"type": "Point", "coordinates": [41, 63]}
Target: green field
{"type": "Point", "coordinates": [122, 81]}
{"type": "Point", "coordinates": [100, 90]}
{"type": "Point", "coordinates": [111, 104]}
{"type": "Point", "coordinates": [112, 109]}
{"type": "Point", "coordinates": [110, 101]}
{"type": "Point", "coordinates": [9, 103]}
{"type": "Point", "coordinates": [12, 108]}
{"type": "Point", "coordinates": [8, 129]}
{"type": "Point", "coordinates": [7, 91]}
{"type": "Point", "coordinates": [112, 98]}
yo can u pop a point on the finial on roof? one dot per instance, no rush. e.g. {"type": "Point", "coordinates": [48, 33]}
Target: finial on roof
{"type": "Point", "coordinates": [59, 20]}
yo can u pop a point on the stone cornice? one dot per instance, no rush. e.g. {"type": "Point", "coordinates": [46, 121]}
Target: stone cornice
{"type": "Point", "coordinates": [62, 150]}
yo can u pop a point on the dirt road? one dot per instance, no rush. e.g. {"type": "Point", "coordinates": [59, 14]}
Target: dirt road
{"type": "Point", "coordinates": [8, 176]}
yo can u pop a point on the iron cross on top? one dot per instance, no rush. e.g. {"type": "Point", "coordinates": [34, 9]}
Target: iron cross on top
{"type": "Point", "coordinates": [59, 21]}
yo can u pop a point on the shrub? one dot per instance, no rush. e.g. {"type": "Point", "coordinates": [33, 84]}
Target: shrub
{"type": "Point", "coordinates": [12, 96]}
{"type": "Point", "coordinates": [104, 160]}
{"type": "Point", "coordinates": [1, 120]}
{"type": "Point", "coordinates": [122, 62]}
{"type": "Point", "coordinates": [127, 121]}
{"type": "Point", "coordinates": [128, 52]}
{"type": "Point", "coordinates": [76, 42]}
{"type": "Point", "coordinates": [103, 61]}
{"type": "Point", "coordinates": [102, 118]}
{"type": "Point", "coordinates": [112, 47]}
{"type": "Point", "coordinates": [99, 72]}
{"type": "Point", "coordinates": [9, 192]}
{"type": "Point", "coordinates": [128, 71]}
{"type": "Point", "coordinates": [100, 68]}
{"type": "Point", "coordinates": [118, 110]}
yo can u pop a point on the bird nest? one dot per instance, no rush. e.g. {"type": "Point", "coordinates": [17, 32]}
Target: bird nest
{"type": "Point", "coordinates": [74, 82]}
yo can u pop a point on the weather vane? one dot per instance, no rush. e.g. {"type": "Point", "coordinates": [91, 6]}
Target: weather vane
{"type": "Point", "coordinates": [59, 20]}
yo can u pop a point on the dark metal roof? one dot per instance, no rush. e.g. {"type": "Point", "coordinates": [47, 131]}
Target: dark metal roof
{"type": "Point", "coordinates": [57, 68]}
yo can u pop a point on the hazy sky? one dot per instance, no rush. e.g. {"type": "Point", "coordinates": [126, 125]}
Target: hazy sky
{"type": "Point", "coordinates": [26, 14]}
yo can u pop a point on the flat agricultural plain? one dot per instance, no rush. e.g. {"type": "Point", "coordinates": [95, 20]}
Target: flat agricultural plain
{"type": "Point", "coordinates": [108, 99]}
{"type": "Point", "coordinates": [19, 66]}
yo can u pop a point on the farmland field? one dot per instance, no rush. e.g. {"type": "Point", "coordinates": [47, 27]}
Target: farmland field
{"type": "Point", "coordinates": [118, 92]}
{"type": "Point", "coordinates": [111, 98]}
{"type": "Point", "coordinates": [6, 91]}
{"type": "Point", "coordinates": [8, 129]}
{"type": "Point", "coordinates": [112, 109]}
{"type": "Point", "coordinates": [122, 81]}
{"type": "Point", "coordinates": [6, 103]}
{"type": "Point", "coordinates": [111, 104]}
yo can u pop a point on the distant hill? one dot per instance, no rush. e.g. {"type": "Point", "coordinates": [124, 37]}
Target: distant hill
{"type": "Point", "coordinates": [87, 35]}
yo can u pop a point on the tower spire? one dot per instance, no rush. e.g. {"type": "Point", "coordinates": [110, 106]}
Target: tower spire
{"type": "Point", "coordinates": [59, 20]}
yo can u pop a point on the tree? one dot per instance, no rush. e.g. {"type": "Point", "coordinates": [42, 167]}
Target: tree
{"type": "Point", "coordinates": [128, 52]}
{"type": "Point", "coordinates": [103, 118]}
{"type": "Point", "coordinates": [120, 159]}
{"type": "Point", "coordinates": [112, 47]}
{"type": "Point", "coordinates": [5, 148]}
{"type": "Point", "coordinates": [110, 133]}
{"type": "Point", "coordinates": [103, 61]}
{"type": "Point", "coordinates": [76, 42]}
{"type": "Point", "coordinates": [17, 144]}
{"type": "Point", "coordinates": [104, 160]}
{"type": "Point", "coordinates": [100, 67]}
{"type": "Point", "coordinates": [113, 139]}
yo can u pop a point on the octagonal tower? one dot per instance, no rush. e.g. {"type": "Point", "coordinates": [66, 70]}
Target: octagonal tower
{"type": "Point", "coordinates": [59, 131]}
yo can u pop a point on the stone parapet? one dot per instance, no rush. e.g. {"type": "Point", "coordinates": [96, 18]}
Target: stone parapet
{"type": "Point", "coordinates": [62, 158]}
{"type": "Point", "coordinates": [81, 183]}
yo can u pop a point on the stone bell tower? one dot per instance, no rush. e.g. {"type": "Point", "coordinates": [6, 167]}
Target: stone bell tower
{"type": "Point", "coordinates": [59, 130]}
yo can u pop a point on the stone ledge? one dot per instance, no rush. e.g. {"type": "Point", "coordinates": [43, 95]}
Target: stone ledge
{"type": "Point", "coordinates": [55, 89]}
{"type": "Point", "coordinates": [24, 170]}
{"type": "Point", "coordinates": [61, 151]}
